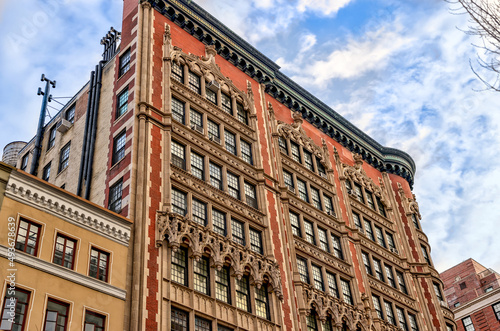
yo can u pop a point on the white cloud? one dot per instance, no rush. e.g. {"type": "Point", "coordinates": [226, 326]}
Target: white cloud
{"type": "Point", "coordinates": [326, 7]}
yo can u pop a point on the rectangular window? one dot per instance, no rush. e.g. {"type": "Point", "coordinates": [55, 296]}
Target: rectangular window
{"type": "Point", "coordinates": [242, 293]}
{"type": "Point", "coordinates": [389, 275]}
{"type": "Point", "coordinates": [376, 305]}
{"type": "Point", "coordinates": [238, 232]}
{"type": "Point", "coordinates": [233, 185]}
{"type": "Point", "coordinates": [312, 325]}
{"type": "Point", "coordinates": [46, 172]}
{"type": "Point", "coordinates": [230, 141]}
{"type": "Point", "coordinates": [99, 264]}
{"type": "Point", "coordinates": [323, 240]}
{"type": "Point", "coordinates": [357, 221]}
{"type": "Point", "coordinates": [496, 310]}
{"type": "Point", "coordinates": [246, 152]}
{"type": "Point", "coordinates": [346, 291]}
{"type": "Point", "coordinates": [219, 222]}
{"type": "Point", "coordinates": [250, 195]}
{"type": "Point", "coordinates": [302, 267]}
{"type": "Point", "coordinates": [223, 328]}
{"type": "Point", "coordinates": [316, 200]}
{"type": "Point", "coordinates": [468, 325]}
{"type": "Point", "coordinates": [294, 222]}
{"type": "Point", "coordinates": [196, 120]}
{"type": "Point", "coordinates": [309, 231]}
{"type": "Point", "coordinates": [242, 114]}
{"type": "Point", "coordinates": [368, 230]}
{"type": "Point", "coordinates": [413, 322]}
{"type": "Point", "coordinates": [308, 161]}
{"type": "Point", "coordinates": [199, 212]}
{"type": "Point", "coordinates": [52, 137]}
{"type": "Point", "coordinates": [28, 235]}
{"type": "Point", "coordinates": [179, 202]}
{"type": "Point", "coordinates": [222, 285]}
{"type": "Point", "coordinates": [389, 313]}
{"type": "Point", "coordinates": [70, 114]}
{"type": "Point", "coordinates": [179, 320]}
{"type": "Point", "coordinates": [64, 157]}
{"type": "Point", "coordinates": [115, 197]}
{"type": "Point", "coordinates": [56, 315]}
{"type": "Point", "coordinates": [262, 302]}
{"type": "Point", "coordinates": [64, 253]}
{"type": "Point", "coordinates": [178, 72]}
{"type": "Point", "coordinates": [369, 199]}
{"type": "Point", "coordinates": [119, 147]}
{"type": "Point", "coordinates": [197, 165]}
{"type": "Point", "coordinates": [321, 168]}
{"type": "Point", "coordinates": [390, 241]}
{"type": "Point", "coordinates": [366, 262]}
{"type": "Point", "coordinates": [122, 103]}
{"type": "Point", "coordinates": [301, 186]}
{"type": "Point", "coordinates": [256, 241]}
{"type": "Point", "coordinates": [213, 131]}
{"type": "Point", "coordinates": [24, 161]}
{"type": "Point", "coordinates": [332, 284]}
{"type": "Point", "coordinates": [426, 255]}
{"type": "Point", "coordinates": [337, 247]}
{"type": "Point", "coordinates": [288, 180]}
{"type": "Point", "coordinates": [179, 266]}
{"type": "Point", "coordinates": [401, 282]}
{"type": "Point", "coordinates": [295, 152]}
{"type": "Point", "coordinates": [359, 193]}
{"type": "Point", "coordinates": [211, 96]}
{"type": "Point", "coordinates": [201, 276]}
{"type": "Point", "coordinates": [124, 63]}
{"type": "Point", "coordinates": [380, 236]}
{"type": "Point", "coordinates": [317, 278]}
{"type": "Point", "coordinates": [201, 324]}
{"type": "Point", "coordinates": [415, 221]}
{"type": "Point", "coordinates": [215, 175]}
{"type": "Point", "coordinates": [328, 205]}
{"type": "Point", "coordinates": [194, 82]}
{"type": "Point", "coordinates": [21, 299]}
{"type": "Point", "coordinates": [178, 111]}
{"type": "Point", "coordinates": [283, 145]}
{"type": "Point", "coordinates": [378, 269]}
{"type": "Point", "coordinates": [381, 208]}
{"type": "Point", "coordinates": [402, 319]}
{"type": "Point", "coordinates": [226, 103]}
{"type": "Point", "coordinates": [437, 290]}
{"type": "Point", "coordinates": [94, 321]}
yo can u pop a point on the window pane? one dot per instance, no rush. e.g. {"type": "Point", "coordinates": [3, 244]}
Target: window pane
{"type": "Point", "coordinates": [328, 205]}
{"type": "Point", "coordinates": [318, 278]}
{"type": "Point", "coordinates": [124, 62]}
{"type": "Point", "coordinates": [323, 240]}
{"type": "Point", "coordinates": [261, 302]}
{"type": "Point", "coordinates": [179, 267]}
{"type": "Point", "coordinates": [115, 197]}
{"type": "Point", "coordinates": [99, 264]}
{"type": "Point", "coordinates": [332, 284]}
{"type": "Point", "coordinates": [178, 155]}
{"type": "Point", "coordinates": [46, 172]}
{"type": "Point", "coordinates": [197, 166]}
{"type": "Point", "coordinates": [201, 324]}
{"type": "Point", "coordinates": [21, 299]}
{"type": "Point", "coordinates": [337, 247]}
{"type": "Point", "coordinates": [211, 95]}
{"type": "Point", "coordinates": [119, 147]}
{"type": "Point", "coordinates": [283, 145]}
{"type": "Point", "coordinates": [301, 186]}
{"type": "Point", "coordinates": [302, 267]}
{"type": "Point", "coordinates": [194, 82]}
{"type": "Point", "coordinates": [390, 276]}
{"type": "Point", "coordinates": [226, 103]}
{"type": "Point", "coordinates": [378, 269]}
{"type": "Point", "coordinates": [122, 104]}
{"type": "Point", "coordinates": [213, 131]}
{"type": "Point", "coordinates": [369, 199]}
{"type": "Point", "coordinates": [196, 120]}
{"type": "Point", "coordinates": [94, 321]}
{"type": "Point", "coordinates": [366, 262]}
{"type": "Point", "coordinates": [178, 72]}
{"type": "Point", "coordinates": [178, 320]}
{"type": "Point", "coordinates": [308, 160]}
{"type": "Point", "coordinates": [294, 222]}
{"type": "Point", "coordinates": [288, 180]}
{"type": "Point", "coordinates": [178, 111]}
{"type": "Point", "coordinates": [219, 222]}
{"type": "Point", "coordinates": [389, 313]}
{"type": "Point", "coordinates": [357, 221]}
{"type": "Point", "coordinates": [222, 284]}
{"type": "Point", "coordinates": [246, 152]}
{"type": "Point", "coordinates": [233, 185]}
{"type": "Point", "coordinates": [309, 231]}
{"type": "Point", "coordinates": [295, 152]}
{"type": "Point", "coordinates": [256, 241]}
{"type": "Point", "coordinates": [237, 232]}
{"type": "Point", "coordinates": [27, 237]}
{"type": "Point", "coordinates": [316, 201]}
{"type": "Point", "coordinates": [376, 305]}
{"type": "Point", "coordinates": [369, 231]}
{"type": "Point", "coordinates": [401, 282]}
{"type": "Point", "coordinates": [250, 195]}
{"type": "Point", "coordinates": [401, 318]}
{"type": "Point", "coordinates": [242, 293]}
{"type": "Point", "coordinates": [199, 212]}
{"type": "Point", "coordinates": [359, 193]}
{"type": "Point", "coordinates": [241, 114]}
{"type": "Point", "coordinates": [380, 236]}
{"type": "Point", "coordinates": [346, 291]}
{"type": "Point", "coordinates": [64, 251]}
{"type": "Point", "coordinates": [230, 141]}
{"type": "Point", "coordinates": [215, 175]}
{"type": "Point", "coordinates": [201, 275]}
{"type": "Point", "coordinates": [179, 203]}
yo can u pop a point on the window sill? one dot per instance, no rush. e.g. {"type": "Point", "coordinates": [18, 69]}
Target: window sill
{"type": "Point", "coordinates": [62, 171]}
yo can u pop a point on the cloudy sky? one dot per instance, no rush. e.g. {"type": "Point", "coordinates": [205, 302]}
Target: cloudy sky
{"type": "Point", "coordinates": [399, 70]}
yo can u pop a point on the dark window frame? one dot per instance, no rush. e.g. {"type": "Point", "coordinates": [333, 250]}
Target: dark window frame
{"type": "Point", "coordinates": [119, 143]}
{"type": "Point", "coordinates": [115, 196]}
{"type": "Point", "coordinates": [28, 229]}
{"type": "Point", "coordinates": [124, 63]}
{"type": "Point", "coordinates": [99, 274]}
{"type": "Point", "coordinates": [63, 262]}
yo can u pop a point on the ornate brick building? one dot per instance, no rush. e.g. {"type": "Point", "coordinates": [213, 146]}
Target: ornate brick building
{"type": "Point", "coordinates": [255, 205]}
{"type": "Point", "coordinates": [473, 294]}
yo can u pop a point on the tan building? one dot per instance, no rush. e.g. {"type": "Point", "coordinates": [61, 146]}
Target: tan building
{"type": "Point", "coordinates": [61, 258]}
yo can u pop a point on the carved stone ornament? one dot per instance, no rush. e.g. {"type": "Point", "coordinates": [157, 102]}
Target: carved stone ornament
{"type": "Point", "coordinates": [179, 230]}
{"type": "Point", "coordinates": [409, 204]}
{"type": "Point", "coordinates": [357, 174]}
{"type": "Point", "coordinates": [340, 312]}
{"type": "Point", "coordinates": [207, 65]}
{"type": "Point", "coordinates": [296, 133]}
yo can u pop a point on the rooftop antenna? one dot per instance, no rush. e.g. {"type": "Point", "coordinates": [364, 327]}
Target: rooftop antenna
{"type": "Point", "coordinates": [41, 121]}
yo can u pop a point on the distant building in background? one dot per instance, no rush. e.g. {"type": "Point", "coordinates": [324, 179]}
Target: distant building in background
{"type": "Point", "coordinates": [473, 294]}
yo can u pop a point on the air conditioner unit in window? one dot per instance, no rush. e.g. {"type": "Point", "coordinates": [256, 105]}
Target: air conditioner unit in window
{"type": "Point", "coordinates": [213, 86]}
{"type": "Point", "coordinates": [64, 125]}
{"type": "Point", "coordinates": [197, 128]}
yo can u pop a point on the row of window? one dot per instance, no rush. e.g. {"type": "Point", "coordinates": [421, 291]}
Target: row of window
{"type": "Point", "coordinates": [374, 232]}
{"type": "Point", "coordinates": [384, 272]}
{"type": "Point", "coordinates": [319, 273]}
{"type": "Point", "coordinates": [301, 155]}
{"type": "Point", "coordinates": [316, 235]}
{"type": "Point", "coordinates": [366, 197]}
{"type": "Point", "coordinates": [208, 280]}
{"type": "Point", "coordinates": [469, 325]}
{"type": "Point", "coordinates": [56, 314]}
{"type": "Point", "coordinates": [205, 214]}
{"type": "Point", "coordinates": [63, 162]}
{"type": "Point", "coordinates": [308, 193]}
{"type": "Point", "coordinates": [403, 319]}
{"type": "Point", "coordinates": [211, 92]}
{"type": "Point", "coordinates": [179, 321]}
{"type": "Point", "coordinates": [28, 239]}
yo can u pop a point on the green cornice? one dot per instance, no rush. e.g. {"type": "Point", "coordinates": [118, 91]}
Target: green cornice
{"type": "Point", "coordinates": [206, 28]}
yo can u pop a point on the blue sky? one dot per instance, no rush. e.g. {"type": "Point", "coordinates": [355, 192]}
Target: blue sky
{"type": "Point", "coordinates": [399, 70]}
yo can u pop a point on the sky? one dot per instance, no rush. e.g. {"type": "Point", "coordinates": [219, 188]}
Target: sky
{"type": "Point", "coordinates": [398, 70]}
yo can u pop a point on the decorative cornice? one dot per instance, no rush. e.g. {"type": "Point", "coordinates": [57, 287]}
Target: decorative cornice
{"type": "Point", "coordinates": [178, 230]}
{"type": "Point", "coordinates": [65, 273]}
{"type": "Point", "coordinates": [32, 192]}
{"type": "Point", "coordinates": [241, 54]}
